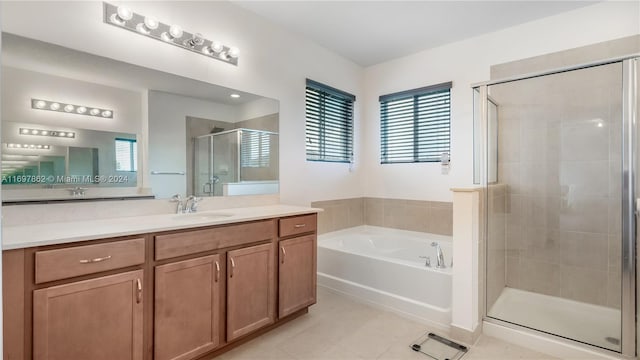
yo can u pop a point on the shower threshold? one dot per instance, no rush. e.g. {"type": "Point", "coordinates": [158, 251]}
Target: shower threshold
{"type": "Point", "coordinates": [586, 323]}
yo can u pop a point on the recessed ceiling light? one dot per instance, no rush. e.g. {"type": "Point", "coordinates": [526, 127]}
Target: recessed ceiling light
{"type": "Point", "coordinates": [235, 96]}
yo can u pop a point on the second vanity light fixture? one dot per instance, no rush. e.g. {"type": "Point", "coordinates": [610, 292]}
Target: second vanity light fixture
{"type": "Point", "coordinates": [40, 104]}
{"type": "Point", "coordinates": [149, 26]}
{"type": "Point", "coordinates": [53, 133]}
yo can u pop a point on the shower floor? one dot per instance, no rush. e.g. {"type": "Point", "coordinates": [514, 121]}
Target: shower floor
{"type": "Point", "coordinates": [587, 323]}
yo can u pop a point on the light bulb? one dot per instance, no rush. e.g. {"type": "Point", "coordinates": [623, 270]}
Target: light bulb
{"type": "Point", "coordinates": [207, 50]}
{"type": "Point", "coordinates": [122, 15]}
{"type": "Point", "coordinates": [70, 134]}
{"type": "Point", "coordinates": [46, 146]}
{"type": "Point", "coordinates": [39, 146]}
{"type": "Point", "coordinates": [24, 131]}
{"type": "Point", "coordinates": [35, 132]}
{"type": "Point", "coordinates": [94, 112]}
{"type": "Point", "coordinates": [54, 106]}
{"type": "Point", "coordinates": [106, 113]}
{"type": "Point", "coordinates": [150, 23]}
{"type": "Point", "coordinates": [40, 104]}
{"type": "Point", "coordinates": [11, 145]}
{"type": "Point", "coordinates": [69, 108]}
{"type": "Point", "coordinates": [25, 146]}
{"type": "Point", "coordinates": [234, 52]}
{"type": "Point", "coordinates": [223, 55]}
{"type": "Point", "coordinates": [235, 96]}
{"type": "Point", "coordinates": [62, 134]}
{"type": "Point", "coordinates": [32, 146]}
{"type": "Point", "coordinates": [81, 109]}
{"type": "Point", "coordinates": [217, 46]}
{"type": "Point", "coordinates": [125, 13]}
{"type": "Point", "coordinates": [175, 32]}
{"type": "Point", "coordinates": [44, 132]}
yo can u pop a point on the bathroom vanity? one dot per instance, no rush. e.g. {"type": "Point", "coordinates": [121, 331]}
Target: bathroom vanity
{"type": "Point", "coordinates": [160, 287]}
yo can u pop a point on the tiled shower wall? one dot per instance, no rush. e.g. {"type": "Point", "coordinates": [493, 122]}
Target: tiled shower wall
{"type": "Point", "coordinates": [559, 160]}
{"type": "Point", "coordinates": [414, 215]}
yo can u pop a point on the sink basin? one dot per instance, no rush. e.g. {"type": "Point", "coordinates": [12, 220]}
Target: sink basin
{"type": "Point", "coordinates": [201, 216]}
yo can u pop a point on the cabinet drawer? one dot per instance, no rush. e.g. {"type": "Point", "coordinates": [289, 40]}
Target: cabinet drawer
{"type": "Point", "coordinates": [192, 242]}
{"type": "Point", "coordinates": [297, 225]}
{"type": "Point", "coordinates": [81, 260]}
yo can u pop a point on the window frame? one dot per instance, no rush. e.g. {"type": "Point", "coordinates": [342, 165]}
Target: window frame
{"type": "Point", "coordinates": [414, 94]}
{"type": "Point", "coordinates": [133, 153]}
{"type": "Point", "coordinates": [345, 128]}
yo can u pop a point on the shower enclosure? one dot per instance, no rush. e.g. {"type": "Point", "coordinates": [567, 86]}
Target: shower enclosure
{"type": "Point", "coordinates": [555, 154]}
{"type": "Point", "coordinates": [239, 156]}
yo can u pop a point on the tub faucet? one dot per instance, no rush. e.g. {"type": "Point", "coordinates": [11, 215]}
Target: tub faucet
{"type": "Point", "coordinates": [439, 256]}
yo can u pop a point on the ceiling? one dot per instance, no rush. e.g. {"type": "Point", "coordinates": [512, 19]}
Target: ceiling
{"type": "Point", "coordinates": [371, 32]}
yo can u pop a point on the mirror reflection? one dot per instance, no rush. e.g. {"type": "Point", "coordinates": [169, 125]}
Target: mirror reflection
{"type": "Point", "coordinates": [72, 119]}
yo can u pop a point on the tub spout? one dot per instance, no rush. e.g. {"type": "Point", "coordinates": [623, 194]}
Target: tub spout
{"type": "Point", "coordinates": [439, 256]}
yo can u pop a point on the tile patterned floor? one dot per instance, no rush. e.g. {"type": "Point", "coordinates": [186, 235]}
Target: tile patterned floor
{"type": "Point", "coordinates": [338, 327]}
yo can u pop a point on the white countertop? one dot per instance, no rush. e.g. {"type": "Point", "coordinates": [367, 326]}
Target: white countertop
{"type": "Point", "coordinates": [24, 236]}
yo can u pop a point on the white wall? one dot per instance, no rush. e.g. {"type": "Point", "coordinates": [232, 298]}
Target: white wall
{"type": "Point", "coordinates": [273, 63]}
{"type": "Point", "coordinates": [257, 108]}
{"type": "Point", "coordinates": [467, 62]}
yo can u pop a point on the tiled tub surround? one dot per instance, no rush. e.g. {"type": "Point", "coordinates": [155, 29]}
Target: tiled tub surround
{"type": "Point", "coordinates": [414, 215]}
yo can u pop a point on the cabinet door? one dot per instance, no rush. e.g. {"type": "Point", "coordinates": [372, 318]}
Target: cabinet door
{"type": "Point", "coordinates": [187, 308]}
{"type": "Point", "coordinates": [250, 289]}
{"type": "Point", "coordinates": [297, 274]}
{"type": "Point", "coordinates": [98, 319]}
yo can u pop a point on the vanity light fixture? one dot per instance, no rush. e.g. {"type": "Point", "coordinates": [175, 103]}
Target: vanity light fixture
{"type": "Point", "coordinates": [40, 104]}
{"type": "Point", "coordinates": [28, 146]}
{"type": "Point", "coordinates": [52, 133]}
{"type": "Point", "coordinates": [124, 18]}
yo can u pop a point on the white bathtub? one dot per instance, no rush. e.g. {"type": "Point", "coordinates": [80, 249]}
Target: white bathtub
{"type": "Point", "coordinates": [384, 267]}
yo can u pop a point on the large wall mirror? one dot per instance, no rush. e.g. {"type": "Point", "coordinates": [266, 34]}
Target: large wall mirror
{"type": "Point", "coordinates": [76, 125]}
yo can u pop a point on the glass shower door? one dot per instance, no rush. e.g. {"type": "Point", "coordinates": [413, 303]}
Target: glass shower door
{"type": "Point", "coordinates": [203, 166]}
{"type": "Point", "coordinates": [554, 203]}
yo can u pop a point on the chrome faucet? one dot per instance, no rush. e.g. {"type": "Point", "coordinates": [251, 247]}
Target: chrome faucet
{"type": "Point", "coordinates": [180, 207]}
{"type": "Point", "coordinates": [191, 204]}
{"type": "Point", "coordinates": [439, 256]}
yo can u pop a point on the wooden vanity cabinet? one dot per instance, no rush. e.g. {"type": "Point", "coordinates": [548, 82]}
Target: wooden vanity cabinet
{"type": "Point", "coordinates": [250, 289]}
{"type": "Point", "coordinates": [297, 274]}
{"type": "Point", "coordinates": [98, 319]}
{"type": "Point", "coordinates": [187, 307]}
{"type": "Point", "coordinates": [212, 288]}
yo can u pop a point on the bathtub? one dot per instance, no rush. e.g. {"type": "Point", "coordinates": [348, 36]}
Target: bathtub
{"type": "Point", "coordinates": [384, 267]}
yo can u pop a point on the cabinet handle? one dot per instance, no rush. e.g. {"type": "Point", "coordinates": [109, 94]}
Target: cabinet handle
{"type": "Point", "coordinates": [217, 271]}
{"type": "Point", "coordinates": [284, 253]}
{"type": "Point", "coordinates": [139, 292]}
{"type": "Point", "coordinates": [233, 266]}
{"type": "Point", "coordinates": [298, 226]}
{"type": "Point", "coordinates": [90, 261]}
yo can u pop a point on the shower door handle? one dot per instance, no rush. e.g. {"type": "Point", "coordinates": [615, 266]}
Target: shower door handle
{"type": "Point", "coordinates": [204, 188]}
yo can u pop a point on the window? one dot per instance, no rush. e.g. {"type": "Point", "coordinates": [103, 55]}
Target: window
{"type": "Point", "coordinates": [329, 133]}
{"type": "Point", "coordinates": [256, 146]}
{"type": "Point", "coordinates": [415, 124]}
{"type": "Point", "coordinates": [126, 155]}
